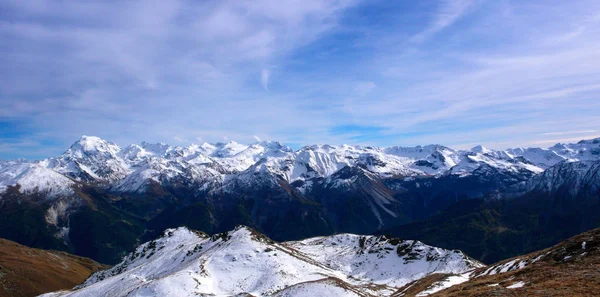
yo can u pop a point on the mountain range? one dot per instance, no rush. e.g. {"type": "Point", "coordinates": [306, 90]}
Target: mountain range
{"type": "Point", "coordinates": [100, 200]}
{"type": "Point", "coordinates": [221, 166]}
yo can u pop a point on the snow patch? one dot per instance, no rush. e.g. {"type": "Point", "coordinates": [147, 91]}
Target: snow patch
{"type": "Point", "coordinates": [516, 285]}
{"type": "Point", "coordinates": [444, 284]}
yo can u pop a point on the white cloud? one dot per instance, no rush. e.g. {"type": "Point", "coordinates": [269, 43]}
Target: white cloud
{"type": "Point", "coordinates": [155, 69]}
{"type": "Point", "coordinates": [449, 12]}
{"type": "Point", "coordinates": [265, 74]}
{"type": "Point", "coordinates": [256, 138]}
{"type": "Point", "coordinates": [191, 68]}
{"type": "Point", "coordinates": [570, 132]}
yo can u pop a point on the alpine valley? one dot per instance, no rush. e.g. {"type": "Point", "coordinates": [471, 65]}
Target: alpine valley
{"type": "Point", "coordinates": [101, 201]}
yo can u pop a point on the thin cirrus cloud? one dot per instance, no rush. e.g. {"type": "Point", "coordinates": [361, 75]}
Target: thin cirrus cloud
{"type": "Point", "coordinates": [498, 73]}
{"type": "Point", "coordinates": [265, 74]}
{"type": "Point", "coordinates": [570, 132]}
{"type": "Point", "coordinates": [448, 12]}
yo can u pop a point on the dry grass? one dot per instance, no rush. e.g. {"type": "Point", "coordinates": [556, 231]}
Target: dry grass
{"type": "Point", "coordinates": [566, 269]}
{"type": "Point", "coordinates": [414, 288]}
{"type": "Point", "coordinates": [29, 272]}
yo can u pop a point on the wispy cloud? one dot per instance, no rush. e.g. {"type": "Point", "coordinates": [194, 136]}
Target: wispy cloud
{"type": "Point", "coordinates": [448, 13]}
{"type": "Point", "coordinates": [265, 74]}
{"type": "Point", "coordinates": [570, 132]}
{"type": "Point", "coordinates": [499, 73]}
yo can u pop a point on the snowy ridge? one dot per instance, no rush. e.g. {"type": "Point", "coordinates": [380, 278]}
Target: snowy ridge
{"type": "Point", "coordinates": [211, 166]}
{"type": "Point", "coordinates": [188, 263]}
{"type": "Point", "coordinates": [34, 178]}
{"type": "Point", "coordinates": [581, 177]}
{"type": "Point", "coordinates": [382, 260]}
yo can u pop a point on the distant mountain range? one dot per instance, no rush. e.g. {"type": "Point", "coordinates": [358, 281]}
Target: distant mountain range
{"type": "Point", "coordinates": [215, 167]}
{"type": "Point", "coordinates": [100, 200]}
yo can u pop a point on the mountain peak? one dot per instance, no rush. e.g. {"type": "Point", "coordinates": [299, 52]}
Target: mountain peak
{"type": "Point", "coordinates": [480, 149]}
{"type": "Point", "coordinates": [244, 262]}
{"type": "Point", "coordinates": [87, 144]}
{"type": "Point", "coordinates": [91, 141]}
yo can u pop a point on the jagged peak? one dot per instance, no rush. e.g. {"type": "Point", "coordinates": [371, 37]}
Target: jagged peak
{"type": "Point", "coordinates": [240, 233]}
{"type": "Point", "coordinates": [206, 145]}
{"type": "Point", "coordinates": [183, 231]}
{"type": "Point", "coordinates": [590, 141]}
{"type": "Point", "coordinates": [244, 232]}
{"type": "Point", "coordinates": [275, 145]}
{"type": "Point", "coordinates": [480, 149]}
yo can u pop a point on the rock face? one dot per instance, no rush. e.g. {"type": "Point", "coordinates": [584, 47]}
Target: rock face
{"type": "Point", "coordinates": [568, 179]}
{"type": "Point", "coordinates": [188, 263]}
{"type": "Point", "coordinates": [28, 272]}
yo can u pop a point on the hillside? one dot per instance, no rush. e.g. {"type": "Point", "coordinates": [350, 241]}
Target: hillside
{"type": "Point", "coordinates": [570, 268]}
{"type": "Point", "coordinates": [244, 262]}
{"type": "Point", "coordinates": [28, 272]}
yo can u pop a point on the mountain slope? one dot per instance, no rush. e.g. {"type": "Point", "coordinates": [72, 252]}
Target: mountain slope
{"type": "Point", "coordinates": [130, 195]}
{"type": "Point", "coordinates": [559, 203]}
{"type": "Point", "coordinates": [34, 178]}
{"type": "Point", "coordinates": [569, 268]}
{"type": "Point", "coordinates": [243, 261]}
{"type": "Point", "coordinates": [28, 272]}
{"type": "Point", "coordinates": [570, 179]}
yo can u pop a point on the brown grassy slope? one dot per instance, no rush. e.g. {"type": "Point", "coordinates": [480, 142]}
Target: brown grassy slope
{"type": "Point", "coordinates": [566, 269]}
{"type": "Point", "coordinates": [418, 286]}
{"type": "Point", "coordinates": [26, 271]}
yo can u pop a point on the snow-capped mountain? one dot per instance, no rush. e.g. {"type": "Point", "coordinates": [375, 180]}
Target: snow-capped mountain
{"type": "Point", "coordinates": [94, 160]}
{"type": "Point", "coordinates": [286, 194]}
{"type": "Point", "coordinates": [568, 178]}
{"type": "Point", "coordinates": [90, 159]}
{"type": "Point", "coordinates": [244, 262]}
{"type": "Point", "coordinates": [34, 178]}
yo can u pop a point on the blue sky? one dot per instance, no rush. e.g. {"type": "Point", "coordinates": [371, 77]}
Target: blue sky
{"type": "Point", "coordinates": [499, 73]}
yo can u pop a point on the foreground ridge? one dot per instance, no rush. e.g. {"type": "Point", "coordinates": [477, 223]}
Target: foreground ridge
{"type": "Point", "coordinates": [569, 268]}
{"type": "Point", "coordinates": [27, 271]}
{"type": "Point", "coordinates": [188, 263]}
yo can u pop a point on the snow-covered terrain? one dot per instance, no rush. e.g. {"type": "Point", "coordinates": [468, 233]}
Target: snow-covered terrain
{"type": "Point", "coordinates": [34, 178]}
{"type": "Point", "coordinates": [187, 263]}
{"type": "Point", "coordinates": [375, 258]}
{"type": "Point", "coordinates": [573, 178]}
{"type": "Point", "coordinates": [211, 166]}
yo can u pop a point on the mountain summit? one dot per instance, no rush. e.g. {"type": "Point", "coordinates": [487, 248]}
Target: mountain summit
{"type": "Point", "coordinates": [244, 262]}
